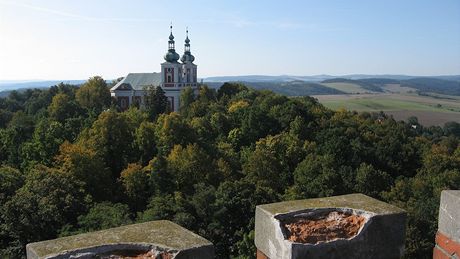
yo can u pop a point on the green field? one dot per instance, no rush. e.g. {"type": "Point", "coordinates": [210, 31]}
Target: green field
{"type": "Point", "coordinates": [347, 88]}
{"type": "Point", "coordinates": [429, 110]}
{"type": "Point", "coordinates": [386, 103]}
{"type": "Point", "coordinates": [400, 102]}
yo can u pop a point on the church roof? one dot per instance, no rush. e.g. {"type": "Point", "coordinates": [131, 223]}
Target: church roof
{"type": "Point", "coordinates": [138, 81]}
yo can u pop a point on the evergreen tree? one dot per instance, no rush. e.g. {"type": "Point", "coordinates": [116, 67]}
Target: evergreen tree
{"type": "Point", "coordinates": [156, 102]}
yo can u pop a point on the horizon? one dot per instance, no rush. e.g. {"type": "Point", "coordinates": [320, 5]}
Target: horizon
{"type": "Point", "coordinates": [248, 75]}
{"type": "Point", "coordinates": [54, 40]}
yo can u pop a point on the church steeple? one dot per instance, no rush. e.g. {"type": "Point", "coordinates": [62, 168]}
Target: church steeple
{"type": "Point", "coordinates": [171, 39]}
{"type": "Point", "coordinates": [187, 57]}
{"type": "Point", "coordinates": [171, 55]}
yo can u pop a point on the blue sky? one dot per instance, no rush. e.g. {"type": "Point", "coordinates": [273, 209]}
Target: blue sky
{"type": "Point", "coordinates": [63, 39]}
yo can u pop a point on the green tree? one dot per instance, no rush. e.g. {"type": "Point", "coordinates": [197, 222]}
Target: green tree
{"type": "Point", "coordinates": [11, 180]}
{"type": "Point", "coordinates": [274, 160]}
{"type": "Point", "coordinates": [172, 129]}
{"type": "Point", "coordinates": [62, 107]}
{"type": "Point", "coordinates": [187, 97]}
{"type": "Point", "coordinates": [159, 207]}
{"type": "Point", "coordinates": [161, 179]}
{"type": "Point", "coordinates": [136, 186]}
{"type": "Point", "coordinates": [206, 94]}
{"type": "Point", "coordinates": [144, 140]}
{"type": "Point", "coordinates": [19, 130]}
{"type": "Point", "coordinates": [156, 102]}
{"type": "Point", "coordinates": [94, 94]}
{"type": "Point", "coordinates": [317, 176]}
{"type": "Point", "coordinates": [371, 181]}
{"type": "Point", "coordinates": [230, 89]}
{"type": "Point", "coordinates": [111, 137]}
{"type": "Point", "coordinates": [104, 215]}
{"type": "Point", "coordinates": [419, 196]}
{"type": "Point", "coordinates": [85, 165]}
{"type": "Point", "coordinates": [234, 214]}
{"type": "Point", "coordinates": [45, 142]}
{"type": "Point", "coordinates": [191, 165]}
{"type": "Point", "coordinates": [37, 211]}
{"type": "Point", "coordinates": [452, 128]}
{"type": "Point", "coordinates": [5, 117]}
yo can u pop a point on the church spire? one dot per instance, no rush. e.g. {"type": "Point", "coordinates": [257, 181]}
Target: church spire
{"type": "Point", "coordinates": [187, 41]}
{"type": "Point", "coordinates": [171, 55]}
{"type": "Point", "coordinates": [187, 57]}
{"type": "Point", "coordinates": [171, 39]}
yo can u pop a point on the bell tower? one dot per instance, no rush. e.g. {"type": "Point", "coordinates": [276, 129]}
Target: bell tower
{"type": "Point", "coordinates": [176, 75]}
{"type": "Point", "coordinates": [171, 70]}
{"type": "Point", "coordinates": [189, 69]}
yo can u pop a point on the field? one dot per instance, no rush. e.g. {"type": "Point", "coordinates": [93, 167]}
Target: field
{"type": "Point", "coordinates": [401, 102]}
{"type": "Point", "coordinates": [347, 88]}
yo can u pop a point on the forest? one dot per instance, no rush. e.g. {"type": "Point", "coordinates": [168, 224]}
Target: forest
{"type": "Point", "coordinates": [72, 162]}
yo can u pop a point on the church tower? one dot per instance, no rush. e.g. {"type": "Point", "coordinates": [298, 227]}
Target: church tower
{"type": "Point", "coordinates": [189, 69]}
{"type": "Point", "coordinates": [174, 76]}
{"type": "Point", "coordinates": [171, 70]}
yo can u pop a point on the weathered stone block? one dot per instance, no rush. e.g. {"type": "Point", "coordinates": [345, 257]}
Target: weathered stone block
{"type": "Point", "coordinates": [162, 238]}
{"type": "Point", "coordinates": [449, 214]}
{"type": "Point", "coordinates": [381, 228]}
{"type": "Point", "coordinates": [448, 236]}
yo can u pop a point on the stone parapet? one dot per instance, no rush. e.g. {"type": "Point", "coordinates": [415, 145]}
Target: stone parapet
{"type": "Point", "coordinates": [347, 226]}
{"type": "Point", "coordinates": [155, 239]}
{"type": "Point", "coordinates": [448, 236]}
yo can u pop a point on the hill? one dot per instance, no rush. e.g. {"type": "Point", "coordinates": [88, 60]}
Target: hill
{"type": "Point", "coordinates": [318, 78]}
{"type": "Point", "coordinates": [352, 84]}
{"type": "Point", "coordinates": [17, 84]}
{"type": "Point", "coordinates": [433, 85]}
{"type": "Point", "coordinates": [292, 88]}
{"type": "Point", "coordinates": [69, 165]}
{"type": "Point", "coordinates": [366, 85]}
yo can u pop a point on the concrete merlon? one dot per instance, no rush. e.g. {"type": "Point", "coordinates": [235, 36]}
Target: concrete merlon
{"type": "Point", "coordinates": [161, 236]}
{"type": "Point", "coordinates": [449, 214]}
{"type": "Point", "coordinates": [381, 235]}
{"type": "Point", "coordinates": [354, 201]}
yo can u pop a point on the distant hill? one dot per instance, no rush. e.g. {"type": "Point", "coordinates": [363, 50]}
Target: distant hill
{"type": "Point", "coordinates": [349, 86]}
{"type": "Point", "coordinates": [292, 88]}
{"type": "Point", "coordinates": [421, 84]}
{"type": "Point", "coordinates": [14, 85]}
{"type": "Point", "coordinates": [433, 85]}
{"type": "Point", "coordinates": [367, 85]}
{"type": "Point", "coordinates": [262, 78]}
{"type": "Point", "coordinates": [318, 78]}
{"type": "Point", "coordinates": [299, 85]}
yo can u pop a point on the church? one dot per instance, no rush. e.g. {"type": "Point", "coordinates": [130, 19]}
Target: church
{"type": "Point", "coordinates": [174, 76]}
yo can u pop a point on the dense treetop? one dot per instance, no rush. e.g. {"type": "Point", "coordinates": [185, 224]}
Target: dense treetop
{"type": "Point", "coordinates": [72, 162]}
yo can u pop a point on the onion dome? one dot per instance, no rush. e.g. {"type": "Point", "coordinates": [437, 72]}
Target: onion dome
{"type": "Point", "coordinates": [187, 57]}
{"type": "Point", "coordinates": [171, 55]}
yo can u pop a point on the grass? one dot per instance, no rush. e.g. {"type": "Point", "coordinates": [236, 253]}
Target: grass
{"type": "Point", "coordinates": [397, 88]}
{"type": "Point", "coordinates": [347, 87]}
{"type": "Point", "coordinates": [381, 104]}
{"type": "Point", "coordinates": [432, 110]}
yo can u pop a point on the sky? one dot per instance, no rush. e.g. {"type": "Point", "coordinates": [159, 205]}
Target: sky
{"type": "Point", "coordinates": [64, 39]}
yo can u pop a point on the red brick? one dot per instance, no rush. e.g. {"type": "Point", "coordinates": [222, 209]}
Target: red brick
{"type": "Point", "coordinates": [448, 245]}
{"type": "Point", "coordinates": [438, 254]}
{"type": "Point", "coordinates": [261, 255]}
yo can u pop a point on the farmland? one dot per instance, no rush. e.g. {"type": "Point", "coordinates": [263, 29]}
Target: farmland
{"type": "Point", "coordinates": [430, 110]}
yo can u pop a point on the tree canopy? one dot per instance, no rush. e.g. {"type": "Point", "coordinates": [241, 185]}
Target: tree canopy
{"type": "Point", "coordinates": [70, 162]}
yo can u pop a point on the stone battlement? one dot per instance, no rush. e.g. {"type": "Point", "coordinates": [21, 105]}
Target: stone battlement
{"type": "Point", "coordinates": [155, 239]}
{"type": "Point", "coordinates": [347, 226]}
{"type": "Point", "coordinates": [448, 236]}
